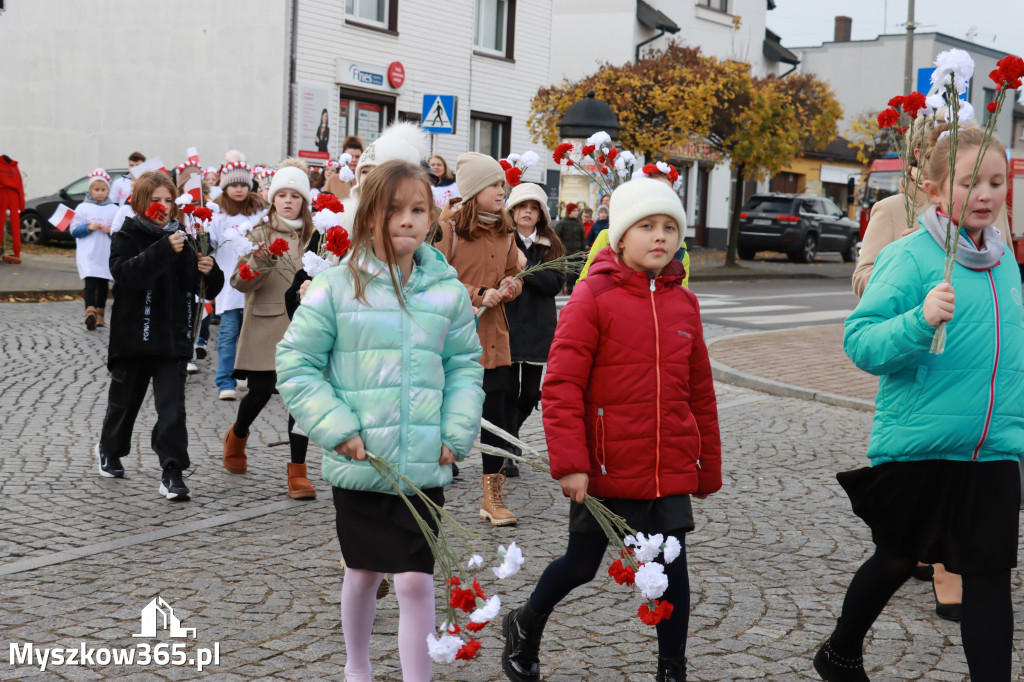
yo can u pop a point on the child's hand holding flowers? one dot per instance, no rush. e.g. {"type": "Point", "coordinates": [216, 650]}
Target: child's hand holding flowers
{"type": "Point", "coordinates": [939, 304]}
{"type": "Point", "coordinates": [575, 486]}
{"type": "Point", "coordinates": [205, 264]}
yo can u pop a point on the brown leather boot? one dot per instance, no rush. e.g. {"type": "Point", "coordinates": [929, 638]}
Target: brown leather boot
{"type": "Point", "coordinates": [234, 452]}
{"type": "Point", "coordinates": [90, 318]}
{"type": "Point", "coordinates": [493, 507]}
{"type": "Point", "coordinates": [299, 487]}
{"type": "Point", "coordinates": [99, 317]}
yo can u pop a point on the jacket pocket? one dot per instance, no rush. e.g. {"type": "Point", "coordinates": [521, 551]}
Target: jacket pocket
{"type": "Point", "coordinates": [268, 309]}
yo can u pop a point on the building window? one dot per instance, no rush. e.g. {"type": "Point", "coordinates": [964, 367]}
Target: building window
{"type": "Point", "coordinates": [990, 96]}
{"type": "Point", "coordinates": [373, 13]}
{"type": "Point", "coordinates": [495, 27]}
{"type": "Point", "coordinates": [720, 5]}
{"type": "Point", "coordinates": [490, 134]}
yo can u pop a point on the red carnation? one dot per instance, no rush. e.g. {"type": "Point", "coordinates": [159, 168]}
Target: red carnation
{"type": "Point", "coordinates": [513, 175]}
{"type": "Point", "coordinates": [476, 627]}
{"type": "Point", "coordinates": [156, 211]}
{"type": "Point", "coordinates": [560, 152]}
{"type": "Point", "coordinates": [278, 247]}
{"type": "Point", "coordinates": [662, 611]}
{"type": "Point", "coordinates": [338, 243]}
{"type": "Point", "coordinates": [1012, 69]}
{"type": "Point", "coordinates": [505, 165]}
{"type": "Point", "coordinates": [588, 150]}
{"type": "Point", "coordinates": [888, 118]}
{"type": "Point", "coordinates": [463, 600]}
{"type": "Point", "coordinates": [202, 213]}
{"type": "Point", "coordinates": [188, 208]}
{"type": "Point", "coordinates": [896, 101]}
{"type": "Point", "coordinates": [454, 629]}
{"type": "Point", "coordinates": [327, 201]}
{"type": "Point", "coordinates": [622, 573]}
{"type": "Point", "coordinates": [992, 106]}
{"type": "Point", "coordinates": [479, 590]}
{"type": "Point", "coordinates": [997, 77]}
{"type": "Point", "coordinates": [454, 580]}
{"type": "Point", "coordinates": [612, 153]}
{"type": "Point", "coordinates": [651, 169]}
{"type": "Point", "coordinates": [468, 650]}
{"type": "Point", "coordinates": [913, 103]}
{"type": "Point", "coordinates": [246, 273]}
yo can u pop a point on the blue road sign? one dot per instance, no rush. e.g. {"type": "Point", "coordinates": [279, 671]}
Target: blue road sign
{"type": "Point", "coordinates": [439, 113]}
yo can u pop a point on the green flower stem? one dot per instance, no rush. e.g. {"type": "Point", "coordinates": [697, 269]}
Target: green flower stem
{"type": "Point", "coordinates": [572, 262]}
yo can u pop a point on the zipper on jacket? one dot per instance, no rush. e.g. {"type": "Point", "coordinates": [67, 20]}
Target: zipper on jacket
{"type": "Point", "coordinates": [657, 399]}
{"type": "Point", "coordinates": [601, 455]}
{"type": "Point", "coordinates": [995, 367]}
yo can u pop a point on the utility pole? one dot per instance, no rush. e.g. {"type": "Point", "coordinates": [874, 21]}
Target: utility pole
{"type": "Point", "coordinates": [908, 65]}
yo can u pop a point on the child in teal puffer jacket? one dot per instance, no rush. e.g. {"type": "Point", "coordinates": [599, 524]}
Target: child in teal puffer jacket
{"type": "Point", "coordinates": [382, 356]}
{"type": "Point", "coordinates": [948, 430]}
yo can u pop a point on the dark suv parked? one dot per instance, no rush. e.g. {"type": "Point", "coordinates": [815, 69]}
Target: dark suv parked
{"type": "Point", "coordinates": [800, 225]}
{"type": "Point", "coordinates": [35, 219]}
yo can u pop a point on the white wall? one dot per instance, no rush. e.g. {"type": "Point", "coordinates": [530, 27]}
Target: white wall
{"type": "Point", "coordinates": [84, 84]}
{"type": "Point", "coordinates": [436, 49]}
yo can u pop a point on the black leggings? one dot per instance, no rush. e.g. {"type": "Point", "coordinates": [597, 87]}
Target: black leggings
{"type": "Point", "coordinates": [579, 566]}
{"type": "Point", "coordinates": [497, 382]}
{"type": "Point", "coordinates": [524, 395]}
{"type": "Point", "coordinates": [986, 627]}
{"type": "Point", "coordinates": [96, 289]}
{"type": "Point", "coordinates": [250, 407]}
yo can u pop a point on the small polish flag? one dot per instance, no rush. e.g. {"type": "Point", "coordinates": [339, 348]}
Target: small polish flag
{"type": "Point", "coordinates": [207, 308]}
{"type": "Point", "coordinates": [194, 187]}
{"type": "Point", "coordinates": [193, 156]}
{"type": "Point", "coordinates": [154, 164]}
{"type": "Point", "coordinates": [62, 217]}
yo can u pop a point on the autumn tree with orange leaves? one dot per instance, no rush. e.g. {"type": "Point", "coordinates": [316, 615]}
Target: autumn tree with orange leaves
{"type": "Point", "coordinates": [678, 94]}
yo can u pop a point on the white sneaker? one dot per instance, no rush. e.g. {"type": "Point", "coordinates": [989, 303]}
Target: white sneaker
{"type": "Point", "coordinates": [242, 385]}
{"type": "Point", "coordinates": [226, 394]}
{"type": "Point", "coordinates": [191, 368]}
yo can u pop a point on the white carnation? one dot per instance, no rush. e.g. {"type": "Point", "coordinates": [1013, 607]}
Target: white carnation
{"type": "Point", "coordinates": [475, 560]}
{"type": "Point", "coordinates": [345, 174]}
{"type": "Point", "coordinates": [314, 264]}
{"type": "Point", "coordinates": [443, 650]}
{"type": "Point", "coordinates": [325, 220]}
{"type": "Point", "coordinates": [512, 559]}
{"type": "Point", "coordinates": [513, 158]}
{"type": "Point", "coordinates": [345, 159]}
{"type": "Point", "coordinates": [627, 157]}
{"type": "Point", "coordinates": [956, 65]}
{"type": "Point", "coordinates": [647, 548]}
{"type": "Point", "coordinates": [488, 612]}
{"type": "Point", "coordinates": [651, 580]}
{"type": "Point", "coordinates": [966, 112]}
{"type": "Point", "coordinates": [529, 159]}
{"type": "Point", "coordinates": [672, 549]}
{"type": "Point", "coordinates": [183, 200]}
{"type": "Point", "coordinates": [599, 138]}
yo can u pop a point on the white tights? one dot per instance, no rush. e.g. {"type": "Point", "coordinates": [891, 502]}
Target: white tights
{"type": "Point", "coordinates": [415, 593]}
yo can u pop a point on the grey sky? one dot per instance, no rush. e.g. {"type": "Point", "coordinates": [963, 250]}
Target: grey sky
{"type": "Point", "coordinates": [804, 23]}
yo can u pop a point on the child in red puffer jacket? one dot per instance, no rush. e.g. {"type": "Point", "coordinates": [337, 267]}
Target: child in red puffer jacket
{"type": "Point", "coordinates": [629, 414]}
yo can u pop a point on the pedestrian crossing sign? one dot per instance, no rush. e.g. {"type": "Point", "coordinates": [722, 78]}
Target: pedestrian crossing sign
{"type": "Point", "coordinates": [439, 113]}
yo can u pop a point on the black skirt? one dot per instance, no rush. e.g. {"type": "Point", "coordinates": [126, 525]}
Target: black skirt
{"type": "Point", "coordinates": [963, 515]}
{"type": "Point", "coordinates": [377, 532]}
{"type": "Point", "coordinates": [671, 514]}
{"type": "Point", "coordinates": [263, 381]}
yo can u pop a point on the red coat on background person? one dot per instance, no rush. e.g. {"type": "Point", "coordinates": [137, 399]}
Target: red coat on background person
{"type": "Point", "coordinates": [12, 198]}
{"type": "Point", "coordinates": [622, 348]}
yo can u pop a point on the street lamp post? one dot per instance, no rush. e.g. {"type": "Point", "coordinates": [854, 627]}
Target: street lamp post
{"type": "Point", "coordinates": [588, 116]}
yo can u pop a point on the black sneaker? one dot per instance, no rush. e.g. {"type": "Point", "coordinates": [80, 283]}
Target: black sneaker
{"type": "Point", "coordinates": [110, 467]}
{"type": "Point", "coordinates": [510, 469]}
{"type": "Point", "coordinates": [171, 485]}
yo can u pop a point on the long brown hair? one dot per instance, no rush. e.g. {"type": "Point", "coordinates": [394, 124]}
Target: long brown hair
{"type": "Point", "coordinates": [557, 248]}
{"type": "Point", "coordinates": [468, 225]}
{"type": "Point", "coordinates": [249, 206]}
{"type": "Point", "coordinates": [307, 222]}
{"type": "Point", "coordinates": [142, 193]}
{"type": "Point", "coordinates": [377, 190]}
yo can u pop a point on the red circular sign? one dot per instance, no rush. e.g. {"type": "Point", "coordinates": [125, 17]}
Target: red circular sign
{"type": "Point", "coordinates": [396, 74]}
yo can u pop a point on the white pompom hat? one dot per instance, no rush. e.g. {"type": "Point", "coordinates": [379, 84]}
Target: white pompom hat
{"type": "Point", "coordinates": [637, 199]}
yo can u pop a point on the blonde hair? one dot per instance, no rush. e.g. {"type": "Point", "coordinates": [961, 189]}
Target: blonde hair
{"type": "Point", "coordinates": [969, 137]}
{"type": "Point", "coordinates": [376, 192]}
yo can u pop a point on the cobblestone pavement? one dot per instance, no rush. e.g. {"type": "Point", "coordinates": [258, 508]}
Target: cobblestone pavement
{"type": "Point", "coordinates": [811, 357]}
{"type": "Point", "coordinates": [258, 573]}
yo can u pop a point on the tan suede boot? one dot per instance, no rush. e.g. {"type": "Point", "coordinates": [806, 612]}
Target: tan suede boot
{"type": "Point", "coordinates": [90, 318]}
{"type": "Point", "coordinates": [234, 452]}
{"type": "Point", "coordinates": [99, 317]}
{"type": "Point", "coordinates": [299, 487]}
{"type": "Point", "coordinates": [493, 505]}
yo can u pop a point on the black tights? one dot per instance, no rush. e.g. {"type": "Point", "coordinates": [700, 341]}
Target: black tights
{"type": "Point", "coordinates": [96, 290]}
{"type": "Point", "coordinates": [986, 627]}
{"type": "Point", "coordinates": [250, 407]}
{"type": "Point", "coordinates": [579, 566]}
{"type": "Point", "coordinates": [524, 394]}
{"type": "Point", "coordinates": [496, 398]}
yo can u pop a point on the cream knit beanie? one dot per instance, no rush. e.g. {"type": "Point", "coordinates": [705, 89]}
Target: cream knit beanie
{"type": "Point", "coordinates": [474, 171]}
{"type": "Point", "coordinates": [638, 199]}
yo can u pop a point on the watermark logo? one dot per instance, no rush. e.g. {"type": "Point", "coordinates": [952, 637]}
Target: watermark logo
{"type": "Point", "coordinates": [157, 616]}
{"type": "Point", "coordinates": [159, 613]}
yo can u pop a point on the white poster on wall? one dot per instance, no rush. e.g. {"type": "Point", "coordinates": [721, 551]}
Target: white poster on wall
{"type": "Point", "coordinates": [317, 128]}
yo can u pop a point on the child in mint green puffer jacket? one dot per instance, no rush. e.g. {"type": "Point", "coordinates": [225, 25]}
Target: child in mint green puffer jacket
{"type": "Point", "coordinates": [382, 357]}
{"type": "Point", "coordinates": [948, 430]}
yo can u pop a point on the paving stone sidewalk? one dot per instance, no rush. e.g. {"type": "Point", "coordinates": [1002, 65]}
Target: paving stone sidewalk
{"type": "Point", "coordinates": [258, 573]}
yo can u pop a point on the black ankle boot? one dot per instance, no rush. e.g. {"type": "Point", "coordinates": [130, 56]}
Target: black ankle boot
{"type": "Point", "coordinates": [835, 668]}
{"type": "Point", "coordinates": [671, 669]}
{"type": "Point", "coordinates": [522, 629]}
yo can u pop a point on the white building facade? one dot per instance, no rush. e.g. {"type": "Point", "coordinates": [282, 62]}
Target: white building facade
{"type": "Point", "coordinates": [591, 32]}
{"type": "Point", "coordinates": [84, 84]}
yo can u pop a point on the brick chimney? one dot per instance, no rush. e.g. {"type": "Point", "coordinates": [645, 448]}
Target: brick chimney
{"type": "Point", "coordinates": [844, 25]}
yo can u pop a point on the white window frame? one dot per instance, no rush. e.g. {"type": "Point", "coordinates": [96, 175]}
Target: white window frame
{"type": "Point", "coordinates": [352, 12]}
{"type": "Point", "coordinates": [478, 30]}
{"type": "Point", "coordinates": [716, 5]}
